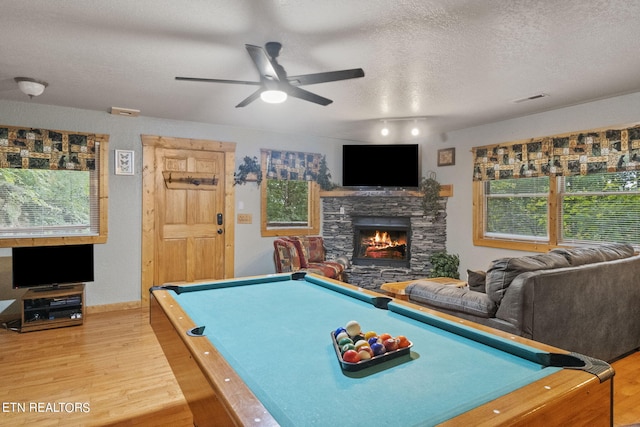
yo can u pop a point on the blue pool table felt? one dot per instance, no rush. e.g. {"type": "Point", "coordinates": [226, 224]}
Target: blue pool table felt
{"type": "Point", "coordinates": [276, 336]}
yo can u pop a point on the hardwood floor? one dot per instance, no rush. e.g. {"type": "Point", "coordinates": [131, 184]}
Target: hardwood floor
{"type": "Point", "coordinates": [112, 364]}
{"type": "Point", "coordinates": [111, 371]}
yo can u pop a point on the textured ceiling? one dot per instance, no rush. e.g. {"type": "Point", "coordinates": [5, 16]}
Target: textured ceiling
{"type": "Point", "coordinates": [457, 63]}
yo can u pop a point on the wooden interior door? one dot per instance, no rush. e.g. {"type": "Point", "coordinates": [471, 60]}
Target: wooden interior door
{"type": "Point", "coordinates": [188, 211]}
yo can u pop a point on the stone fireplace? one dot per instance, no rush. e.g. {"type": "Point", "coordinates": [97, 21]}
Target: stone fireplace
{"type": "Point", "coordinates": [350, 220]}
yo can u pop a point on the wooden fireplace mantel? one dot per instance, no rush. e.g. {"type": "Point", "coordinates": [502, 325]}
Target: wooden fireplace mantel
{"type": "Point", "coordinates": [446, 190]}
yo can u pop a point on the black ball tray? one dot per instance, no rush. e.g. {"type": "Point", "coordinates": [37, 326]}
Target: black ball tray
{"type": "Point", "coordinates": [375, 360]}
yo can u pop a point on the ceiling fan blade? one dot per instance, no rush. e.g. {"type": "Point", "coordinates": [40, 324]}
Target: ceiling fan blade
{"type": "Point", "coordinates": [248, 100]}
{"type": "Point", "coordinates": [238, 82]}
{"type": "Point", "coordinates": [330, 76]}
{"type": "Point", "coordinates": [296, 92]}
{"type": "Point", "coordinates": [266, 68]}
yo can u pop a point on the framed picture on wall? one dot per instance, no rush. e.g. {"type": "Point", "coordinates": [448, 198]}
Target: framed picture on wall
{"type": "Point", "coordinates": [124, 162]}
{"type": "Point", "coordinates": [447, 157]}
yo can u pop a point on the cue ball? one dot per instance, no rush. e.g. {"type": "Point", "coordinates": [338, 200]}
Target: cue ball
{"type": "Point", "coordinates": [353, 328]}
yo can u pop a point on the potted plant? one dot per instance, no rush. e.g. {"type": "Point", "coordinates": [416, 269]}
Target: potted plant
{"type": "Point", "coordinates": [444, 264]}
{"type": "Point", "coordinates": [430, 189]}
{"type": "Point", "coordinates": [249, 171]}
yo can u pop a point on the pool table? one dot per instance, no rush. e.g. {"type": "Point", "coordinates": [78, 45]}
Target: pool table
{"type": "Point", "coordinates": [258, 351]}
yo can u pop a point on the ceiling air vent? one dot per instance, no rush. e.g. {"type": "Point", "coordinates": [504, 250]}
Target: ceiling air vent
{"type": "Point", "coordinates": [530, 98]}
{"type": "Point", "coordinates": [127, 112]}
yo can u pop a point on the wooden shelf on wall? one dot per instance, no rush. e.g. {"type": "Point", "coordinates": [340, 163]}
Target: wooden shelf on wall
{"type": "Point", "coordinates": [446, 190]}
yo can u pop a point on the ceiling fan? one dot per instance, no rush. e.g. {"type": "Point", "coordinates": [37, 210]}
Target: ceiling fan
{"type": "Point", "coordinates": [273, 77]}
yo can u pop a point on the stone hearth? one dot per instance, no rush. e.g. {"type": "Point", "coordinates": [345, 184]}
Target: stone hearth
{"type": "Point", "coordinates": [339, 208]}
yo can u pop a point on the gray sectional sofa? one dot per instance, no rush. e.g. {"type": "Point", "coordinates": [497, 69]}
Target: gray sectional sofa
{"type": "Point", "coordinates": [585, 299]}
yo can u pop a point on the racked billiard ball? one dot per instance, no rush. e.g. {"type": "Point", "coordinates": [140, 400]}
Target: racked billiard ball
{"type": "Point", "coordinates": [344, 340]}
{"type": "Point", "coordinates": [351, 356]}
{"type": "Point", "coordinates": [353, 328]}
{"type": "Point", "coordinates": [378, 349]}
{"type": "Point", "coordinates": [390, 344]}
{"type": "Point", "coordinates": [403, 341]}
{"type": "Point", "coordinates": [338, 331]}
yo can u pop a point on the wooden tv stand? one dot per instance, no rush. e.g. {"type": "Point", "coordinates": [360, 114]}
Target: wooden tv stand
{"type": "Point", "coordinates": [52, 308]}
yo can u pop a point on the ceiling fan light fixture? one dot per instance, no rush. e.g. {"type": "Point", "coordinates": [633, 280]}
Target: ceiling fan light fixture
{"type": "Point", "coordinates": [30, 87]}
{"type": "Point", "coordinates": [273, 96]}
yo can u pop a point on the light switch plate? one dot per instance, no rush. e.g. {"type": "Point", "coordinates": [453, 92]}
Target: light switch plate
{"type": "Point", "coordinates": [245, 218]}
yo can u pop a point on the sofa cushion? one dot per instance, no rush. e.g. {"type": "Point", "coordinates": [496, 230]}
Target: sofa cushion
{"type": "Point", "coordinates": [477, 280]}
{"type": "Point", "coordinates": [502, 271]}
{"type": "Point", "coordinates": [451, 298]}
{"type": "Point", "coordinates": [591, 254]}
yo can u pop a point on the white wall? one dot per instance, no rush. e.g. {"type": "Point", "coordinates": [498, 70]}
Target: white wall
{"type": "Point", "coordinates": [609, 112]}
{"type": "Point", "coordinates": [117, 266]}
{"type": "Point", "coordinates": [118, 261]}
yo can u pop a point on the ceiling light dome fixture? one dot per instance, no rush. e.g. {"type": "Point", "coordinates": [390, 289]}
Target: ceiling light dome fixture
{"type": "Point", "coordinates": [273, 96]}
{"type": "Point", "coordinates": [31, 87]}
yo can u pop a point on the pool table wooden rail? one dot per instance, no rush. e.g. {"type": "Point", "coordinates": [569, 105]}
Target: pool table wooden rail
{"type": "Point", "coordinates": [221, 398]}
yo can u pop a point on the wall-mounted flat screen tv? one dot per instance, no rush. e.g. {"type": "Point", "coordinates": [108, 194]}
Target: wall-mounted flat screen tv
{"type": "Point", "coordinates": [381, 166]}
{"type": "Point", "coordinates": [52, 266]}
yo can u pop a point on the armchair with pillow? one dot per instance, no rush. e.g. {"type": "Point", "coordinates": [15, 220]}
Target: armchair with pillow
{"type": "Point", "coordinates": [305, 253]}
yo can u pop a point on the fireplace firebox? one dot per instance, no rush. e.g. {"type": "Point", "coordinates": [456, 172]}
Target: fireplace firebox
{"type": "Point", "coordinates": [381, 241]}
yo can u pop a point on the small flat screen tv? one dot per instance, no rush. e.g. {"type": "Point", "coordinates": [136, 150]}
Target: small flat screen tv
{"type": "Point", "coordinates": [381, 166]}
{"type": "Point", "coordinates": [52, 266]}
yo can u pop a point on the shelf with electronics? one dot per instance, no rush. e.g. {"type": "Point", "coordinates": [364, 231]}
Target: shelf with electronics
{"type": "Point", "coordinates": [52, 308]}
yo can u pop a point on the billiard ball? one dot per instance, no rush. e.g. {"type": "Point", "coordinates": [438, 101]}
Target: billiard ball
{"type": "Point", "coordinates": [351, 356]}
{"type": "Point", "coordinates": [365, 353]}
{"type": "Point", "coordinates": [347, 347]}
{"type": "Point", "coordinates": [403, 341]}
{"type": "Point", "coordinates": [373, 340]}
{"type": "Point", "coordinates": [370, 334]}
{"type": "Point", "coordinates": [384, 337]}
{"type": "Point", "coordinates": [361, 343]}
{"type": "Point", "coordinates": [353, 328]}
{"type": "Point", "coordinates": [390, 344]}
{"type": "Point", "coordinates": [357, 338]}
{"type": "Point", "coordinates": [341, 335]}
{"type": "Point", "coordinates": [378, 349]}
{"type": "Point", "coordinates": [337, 331]}
{"type": "Point", "coordinates": [345, 340]}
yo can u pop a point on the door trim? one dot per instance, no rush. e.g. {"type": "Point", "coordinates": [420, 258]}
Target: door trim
{"type": "Point", "coordinates": [150, 143]}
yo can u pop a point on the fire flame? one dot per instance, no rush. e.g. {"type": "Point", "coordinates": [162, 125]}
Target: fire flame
{"type": "Point", "coordinates": [382, 240]}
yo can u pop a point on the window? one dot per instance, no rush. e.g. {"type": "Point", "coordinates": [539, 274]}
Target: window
{"type": "Point", "coordinates": [290, 194]}
{"type": "Point", "coordinates": [290, 207]}
{"type": "Point", "coordinates": [539, 213]}
{"type": "Point", "coordinates": [53, 206]}
{"type": "Point", "coordinates": [601, 208]}
{"type": "Point", "coordinates": [517, 208]}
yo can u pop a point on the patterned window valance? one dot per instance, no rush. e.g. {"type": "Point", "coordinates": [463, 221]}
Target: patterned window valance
{"type": "Point", "coordinates": [578, 153]}
{"type": "Point", "coordinates": [292, 165]}
{"type": "Point", "coordinates": [27, 148]}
